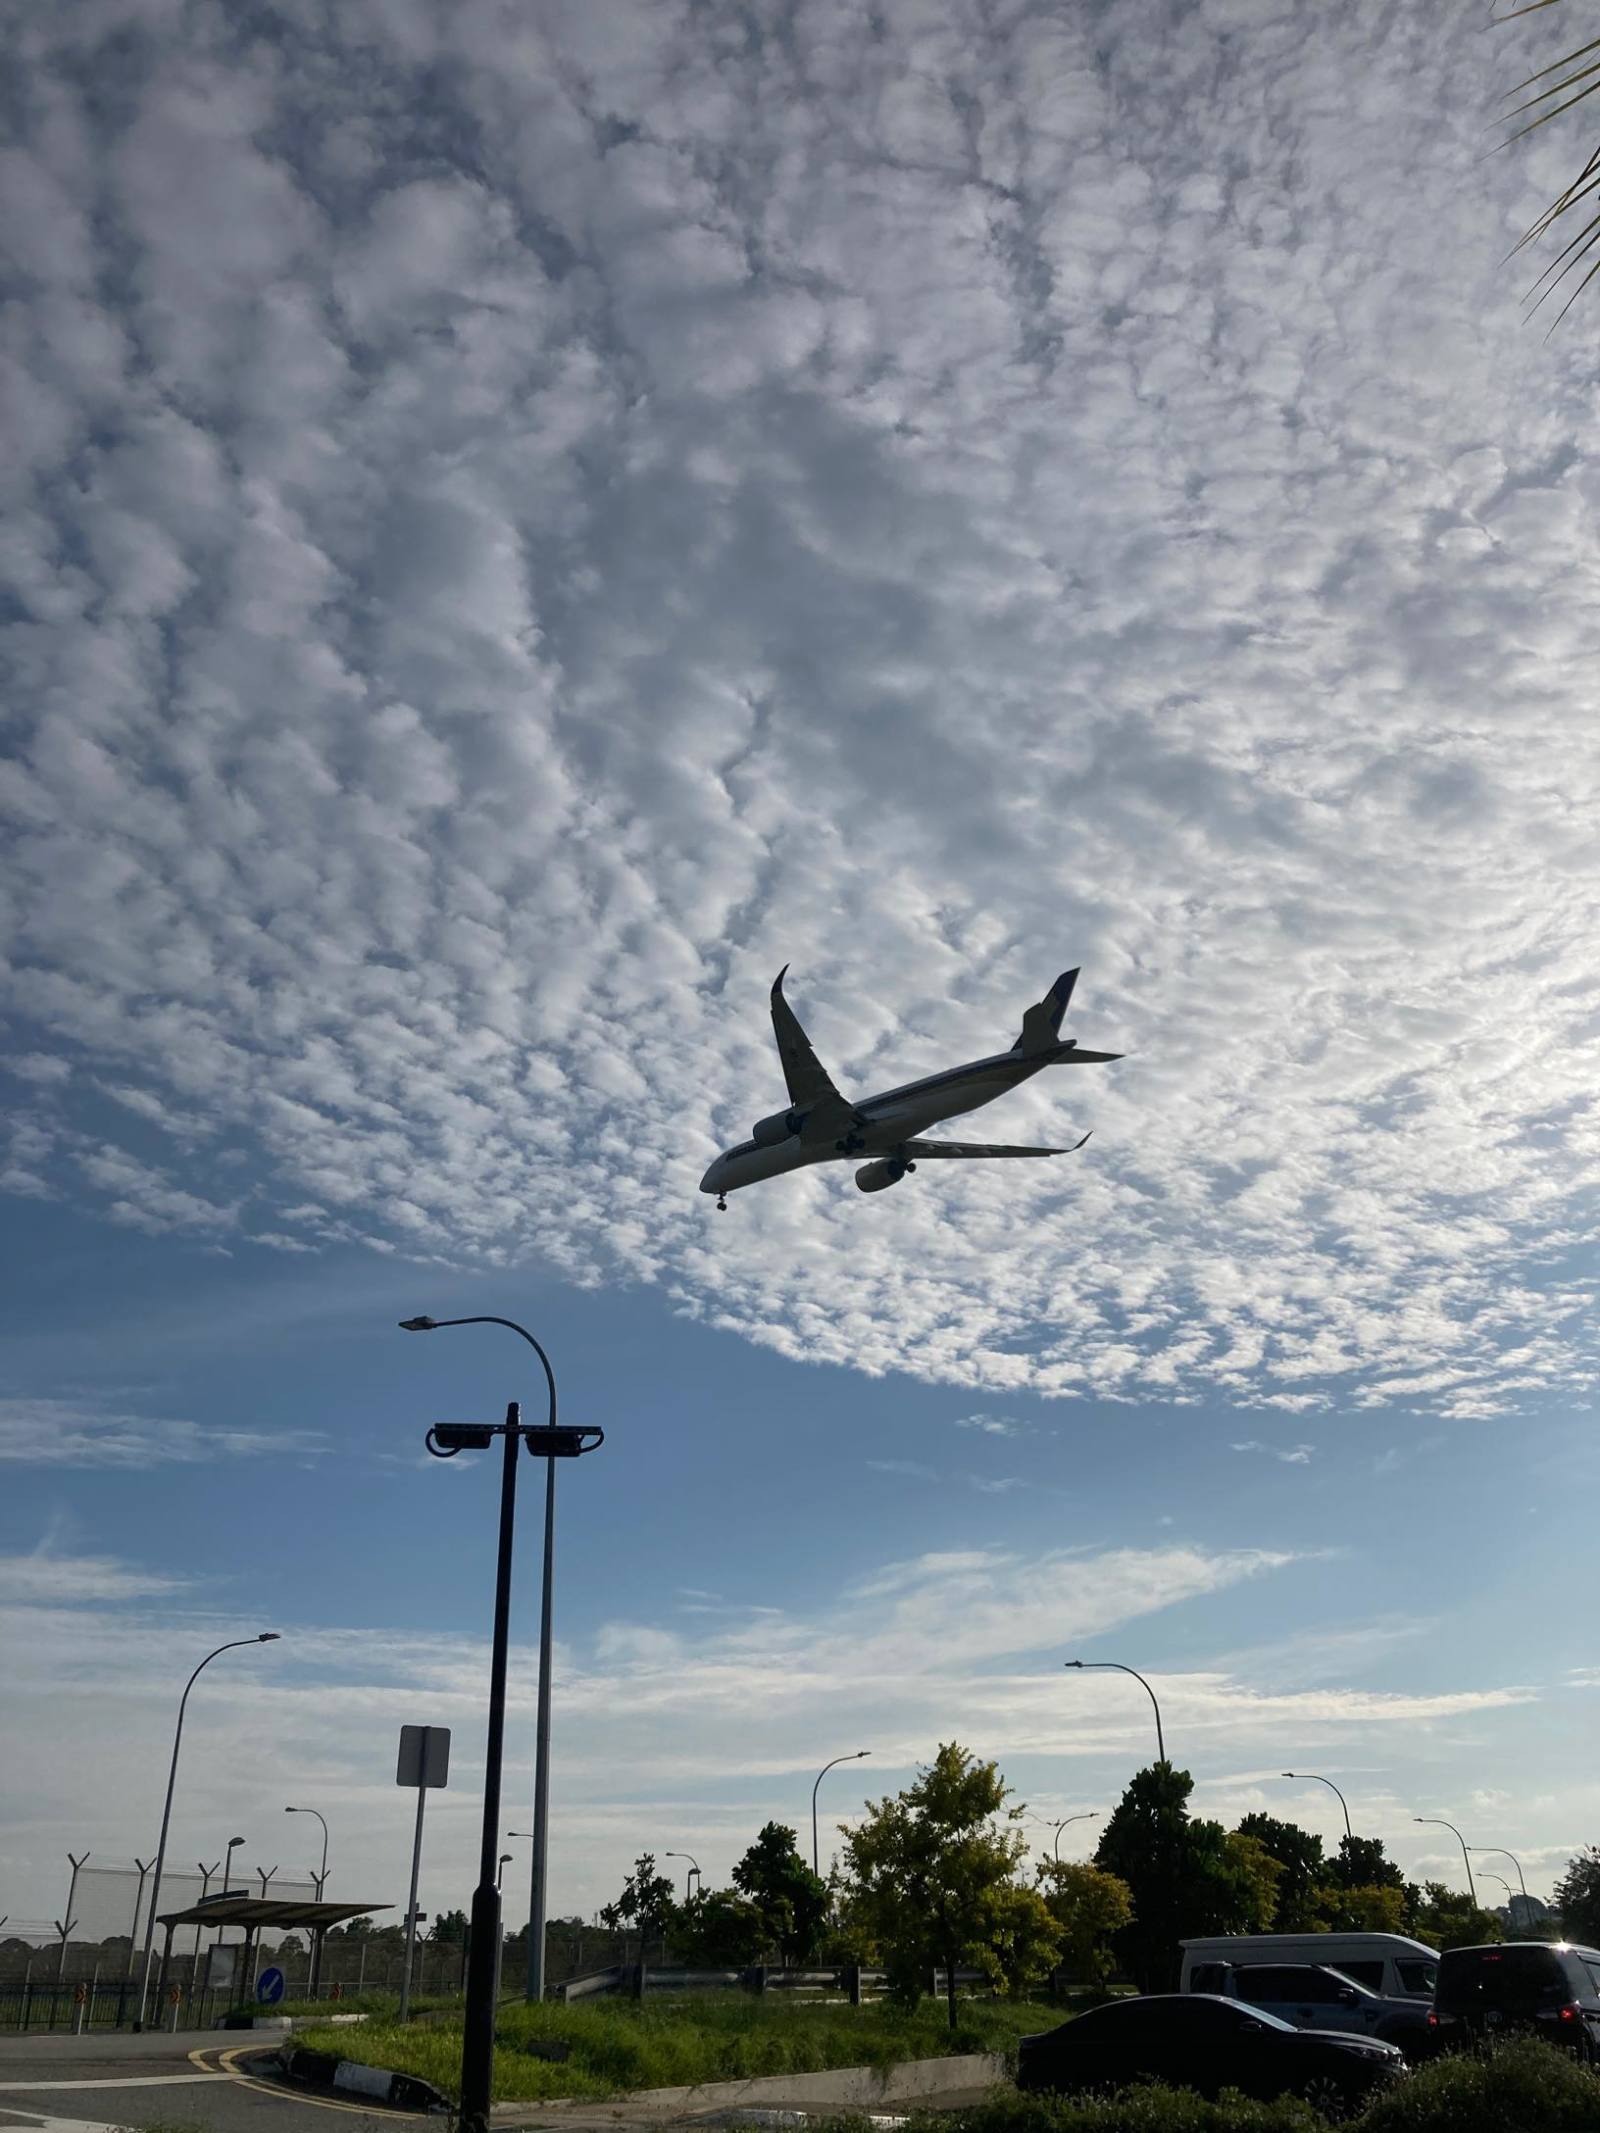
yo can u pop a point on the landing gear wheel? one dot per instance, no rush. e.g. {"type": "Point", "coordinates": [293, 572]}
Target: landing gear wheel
{"type": "Point", "coordinates": [722, 1205]}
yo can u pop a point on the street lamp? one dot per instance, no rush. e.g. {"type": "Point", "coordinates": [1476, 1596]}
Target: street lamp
{"type": "Point", "coordinates": [1500, 1852]}
{"type": "Point", "coordinates": [315, 1977]}
{"type": "Point", "coordinates": [1332, 1787]}
{"type": "Point", "coordinates": [1092, 1815]}
{"type": "Point", "coordinates": [266, 1636]}
{"type": "Point", "coordinates": [538, 1903]}
{"type": "Point", "coordinates": [1487, 1876]}
{"type": "Point", "coordinates": [693, 1874]}
{"type": "Point", "coordinates": [500, 1867]}
{"type": "Point", "coordinates": [1437, 1822]}
{"type": "Point", "coordinates": [444, 1440]}
{"type": "Point", "coordinates": [1116, 1666]}
{"type": "Point", "coordinates": [821, 1774]}
{"type": "Point", "coordinates": [322, 1877]}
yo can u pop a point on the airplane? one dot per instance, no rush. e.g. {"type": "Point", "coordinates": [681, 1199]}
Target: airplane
{"type": "Point", "coordinates": [821, 1126]}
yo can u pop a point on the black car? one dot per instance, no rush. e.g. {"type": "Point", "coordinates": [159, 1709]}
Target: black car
{"type": "Point", "coordinates": [1549, 1987]}
{"type": "Point", "coordinates": [1198, 2040]}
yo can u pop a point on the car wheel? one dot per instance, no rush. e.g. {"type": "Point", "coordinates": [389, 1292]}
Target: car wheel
{"type": "Point", "coordinates": [1328, 2095]}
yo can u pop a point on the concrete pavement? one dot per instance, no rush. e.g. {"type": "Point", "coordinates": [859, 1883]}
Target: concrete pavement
{"type": "Point", "coordinates": [200, 2078]}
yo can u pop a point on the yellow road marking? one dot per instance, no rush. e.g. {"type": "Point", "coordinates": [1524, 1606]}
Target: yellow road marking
{"type": "Point", "coordinates": [227, 2062]}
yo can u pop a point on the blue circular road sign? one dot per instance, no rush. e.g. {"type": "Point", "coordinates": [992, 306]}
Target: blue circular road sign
{"type": "Point", "coordinates": [269, 1987]}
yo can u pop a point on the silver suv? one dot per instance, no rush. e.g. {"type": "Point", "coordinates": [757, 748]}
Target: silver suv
{"type": "Point", "coordinates": [1316, 1996]}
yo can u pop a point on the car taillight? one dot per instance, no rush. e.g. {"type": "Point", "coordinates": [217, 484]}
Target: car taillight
{"type": "Point", "coordinates": [1433, 2019]}
{"type": "Point", "coordinates": [1572, 2013]}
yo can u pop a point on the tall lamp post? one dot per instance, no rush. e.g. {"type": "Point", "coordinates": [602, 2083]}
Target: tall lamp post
{"type": "Point", "coordinates": [1116, 1666]}
{"type": "Point", "coordinates": [693, 1874]}
{"type": "Point", "coordinates": [539, 1898]}
{"type": "Point", "coordinates": [1332, 1787]}
{"type": "Point", "coordinates": [444, 1440]}
{"type": "Point", "coordinates": [1499, 1852]}
{"type": "Point", "coordinates": [322, 1877]}
{"type": "Point", "coordinates": [821, 1774]}
{"type": "Point", "coordinates": [266, 1636]}
{"type": "Point", "coordinates": [1065, 1822]}
{"type": "Point", "coordinates": [1437, 1822]}
{"type": "Point", "coordinates": [315, 1978]}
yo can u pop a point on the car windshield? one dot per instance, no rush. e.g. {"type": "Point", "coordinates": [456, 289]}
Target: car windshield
{"type": "Point", "coordinates": [1509, 1980]}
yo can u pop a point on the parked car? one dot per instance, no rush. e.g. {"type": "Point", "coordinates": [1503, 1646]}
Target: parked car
{"type": "Point", "coordinates": [1317, 1996]}
{"type": "Point", "coordinates": [1551, 1988]}
{"type": "Point", "coordinates": [1197, 2040]}
{"type": "Point", "coordinates": [1390, 1963]}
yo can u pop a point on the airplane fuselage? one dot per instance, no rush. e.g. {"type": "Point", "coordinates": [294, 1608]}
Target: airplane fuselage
{"type": "Point", "coordinates": [882, 1124]}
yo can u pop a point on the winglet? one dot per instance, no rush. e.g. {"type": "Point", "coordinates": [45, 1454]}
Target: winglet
{"type": "Point", "coordinates": [1041, 1025]}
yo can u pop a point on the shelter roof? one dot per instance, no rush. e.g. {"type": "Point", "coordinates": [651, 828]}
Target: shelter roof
{"type": "Point", "coordinates": [267, 1911]}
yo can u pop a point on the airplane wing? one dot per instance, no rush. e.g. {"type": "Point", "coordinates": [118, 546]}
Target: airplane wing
{"type": "Point", "coordinates": [807, 1079]}
{"type": "Point", "coordinates": [955, 1151]}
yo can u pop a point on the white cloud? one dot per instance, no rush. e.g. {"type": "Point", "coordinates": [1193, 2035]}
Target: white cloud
{"type": "Point", "coordinates": [712, 1727]}
{"type": "Point", "coordinates": [994, 1425]}
{"type": "Point", "coordinates": [44, 1432]}
{"type": "Point", "coordinates": [926, 498]}
{"type": "Point", "coordinates": [1289, 1454]}
{"type": "Point", "coordinates": [44, 1579]}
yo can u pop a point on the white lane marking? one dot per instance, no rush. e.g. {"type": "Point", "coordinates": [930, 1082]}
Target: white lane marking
{"type": "Point", "coordinates": [56, 2125]}
{"type": "Point", "coordinates": [124, 2081]}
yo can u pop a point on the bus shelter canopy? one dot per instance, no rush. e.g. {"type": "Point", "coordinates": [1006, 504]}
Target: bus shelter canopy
{"type": "Point", "coordinates": [254, 1912]}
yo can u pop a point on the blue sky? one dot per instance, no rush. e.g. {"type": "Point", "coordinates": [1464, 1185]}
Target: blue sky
{"type": "Point", "coordinates": [521, 527]}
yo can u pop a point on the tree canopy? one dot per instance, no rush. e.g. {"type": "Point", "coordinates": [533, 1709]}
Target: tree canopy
{"type": "Point", "coordinates": [933, 1878]}
{"type": "Point", "coordinates": [1577, 1896]}
{"type": "Point", "coordinates": [788, 1898]}
{"type": "Point", "coordinates": [645, 1903]}
{"type": "Point", "coordinates": [1090, 1907]}
{"type": "Point", "coordinates": [1186, 1876]}
{"type": "Point", "coordinates": [1299, 1853]}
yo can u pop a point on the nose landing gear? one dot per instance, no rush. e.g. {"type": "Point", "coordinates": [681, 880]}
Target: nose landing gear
{"type": "Point", "coordinates": [722, 1205]}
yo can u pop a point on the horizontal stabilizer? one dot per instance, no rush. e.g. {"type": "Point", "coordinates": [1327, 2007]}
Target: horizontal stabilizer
{"type": "Point", "coordinates": [1041, 1025]}
{"type": "Point", "coordinates": [957, 1151]}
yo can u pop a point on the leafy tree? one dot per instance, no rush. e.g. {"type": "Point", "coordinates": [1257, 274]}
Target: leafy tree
{"type": "Point", "coordinates": [645, 1903]}
{"type": "Point", "coordinates": [790, 1899]}
{"type": "Point", "coordinates": [1090, 1906]}
{"type": "Point", "coordinates": [933, 1879]}
{"type": "Point", "coordinates": [449, 1929]}
{"type": "Point", "coordinates": [1299, 1853]}
{"type": "Point", "coordinates": [1369, 1910]}
{"type": "Point", "coordinates": [1362, 1863]}
{"type": "Point", "coordinates": [1257, 1874]}
{"type": "Point", "coordinates": [1184, 1877]}
{"type": "Point", "coordinates": [1577, 1896]}
{"type": "Point", "coordinates": [716, 1928]}
{"type": "Point", "coordinates": [1450, 1919]}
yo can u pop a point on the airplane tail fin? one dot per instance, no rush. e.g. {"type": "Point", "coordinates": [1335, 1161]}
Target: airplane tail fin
{"type": "Point", "coordinates": [1041, 1025]}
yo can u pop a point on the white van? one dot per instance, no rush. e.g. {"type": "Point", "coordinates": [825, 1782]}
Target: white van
{"type": "Point", "coordinates": [1386, 1963]}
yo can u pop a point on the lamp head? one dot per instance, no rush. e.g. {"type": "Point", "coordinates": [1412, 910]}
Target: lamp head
{"type": "Point", "coordinates": [1289, 1773]}
{"type": "Point", "coordinates": [270, 1636]}
{"type": "Point", "coordinates": [1072, 1662]}
{"type": "Point", "coordinates": [234, 1843]}
{"type": "Point", "coordinates": [418, 1325]}
{"type": "Point", "coordinates": [860, 1752]}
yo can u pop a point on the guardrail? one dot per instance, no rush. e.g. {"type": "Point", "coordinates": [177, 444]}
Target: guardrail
{"type": "Point", "coordinates": [849, 1980]}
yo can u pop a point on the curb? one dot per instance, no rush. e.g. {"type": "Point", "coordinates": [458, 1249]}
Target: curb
{"type": "Point", "coordinates": [407, 2092]}
{"type": "Point", "coordinates": [858, 2090]}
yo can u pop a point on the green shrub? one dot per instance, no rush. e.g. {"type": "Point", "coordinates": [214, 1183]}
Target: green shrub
{"type": "Point", "coordinates": [1523, 2086]}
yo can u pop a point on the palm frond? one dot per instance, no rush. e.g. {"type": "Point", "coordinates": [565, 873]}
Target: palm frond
{"type": "Point", "coordinates": [1578, 77]}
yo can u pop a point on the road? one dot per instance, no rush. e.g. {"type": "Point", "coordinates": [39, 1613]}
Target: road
{"type": "Point", "coordinates": [194, 2078]}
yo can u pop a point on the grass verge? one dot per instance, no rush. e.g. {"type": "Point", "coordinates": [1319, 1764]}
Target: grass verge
{"type": "Point", "coordinates": [620, 2046]}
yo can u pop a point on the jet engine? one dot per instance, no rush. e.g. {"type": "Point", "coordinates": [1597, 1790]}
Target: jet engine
{"type": "Point", "coordinates": [877, 1177]}
{"type": "Point", "coordinates": [767, 1132]}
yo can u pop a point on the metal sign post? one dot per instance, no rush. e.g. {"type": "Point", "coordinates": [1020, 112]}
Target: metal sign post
{"type": "Point", "coordinates": [425, 1763]}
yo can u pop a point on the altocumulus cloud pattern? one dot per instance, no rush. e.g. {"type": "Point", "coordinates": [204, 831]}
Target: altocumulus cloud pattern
{"type": "Point", "coordinates": [524, 519]}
